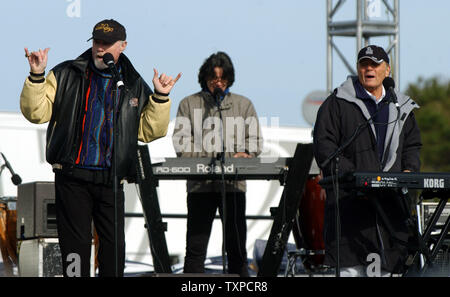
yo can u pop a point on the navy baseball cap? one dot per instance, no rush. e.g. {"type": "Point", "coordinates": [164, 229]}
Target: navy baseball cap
{"type": "Point", "coordinates": [373, 52]}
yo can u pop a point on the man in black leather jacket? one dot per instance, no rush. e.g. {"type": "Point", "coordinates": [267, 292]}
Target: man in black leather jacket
{"type": "Point", "coordinates": [78, 98]}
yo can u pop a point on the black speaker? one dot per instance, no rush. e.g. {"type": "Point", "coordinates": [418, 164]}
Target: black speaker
{"type": "Point", "coordinates": [36, 213]}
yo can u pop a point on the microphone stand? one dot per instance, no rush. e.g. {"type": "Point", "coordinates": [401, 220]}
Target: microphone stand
{"type": "Point", "coordinates": [221, 157]}
{"type": "Point", "coordinates": [108, 59]}
{"type": "Point", "coordinates": [335, 156]}
{"type": "Point", "coordinates": [116, 106]}
{"type": "Point", "coordinates": [337, 215]}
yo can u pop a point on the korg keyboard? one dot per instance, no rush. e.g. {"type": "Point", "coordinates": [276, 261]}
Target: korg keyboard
{"type": "Point", "coordinates": [411, 180]}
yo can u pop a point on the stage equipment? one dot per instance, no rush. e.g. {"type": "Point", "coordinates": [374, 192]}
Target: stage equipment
{"type": "Point", "coordinates": [291, 172]}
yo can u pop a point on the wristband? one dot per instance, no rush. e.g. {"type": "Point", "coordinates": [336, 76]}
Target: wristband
{"type": "Point", "coordinates": [161, 94]}
{"type": "Point", "coordinates": [37, 74]}
{"type": "Point", "coordinates": [36, 81]}
{"type": "Point", "coordinates": [159, 100]}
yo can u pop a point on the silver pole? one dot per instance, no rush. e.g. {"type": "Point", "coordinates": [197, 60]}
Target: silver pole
{"type": "Point", "coordinates": [329, 49]}
{"type": "Point", "coordinates": [397, 44]}
{"type": "Point", "coordinates": [358, 26]}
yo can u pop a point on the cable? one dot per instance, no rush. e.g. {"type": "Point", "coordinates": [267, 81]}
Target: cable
{"type": "Point", "coordinates": [356, 134]}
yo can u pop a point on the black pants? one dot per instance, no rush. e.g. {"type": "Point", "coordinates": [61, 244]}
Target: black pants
{"type": "Point", "coordinates": [202, 209]}
{"type": "Point", "coordinates": [77, 204]}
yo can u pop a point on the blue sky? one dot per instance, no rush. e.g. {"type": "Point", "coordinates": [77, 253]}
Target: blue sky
{"type": "Point", "coordinates": [278, 47]}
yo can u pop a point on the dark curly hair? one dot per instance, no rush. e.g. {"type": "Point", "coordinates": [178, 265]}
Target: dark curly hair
{"type": "Point", "coordinates": [219, 59]}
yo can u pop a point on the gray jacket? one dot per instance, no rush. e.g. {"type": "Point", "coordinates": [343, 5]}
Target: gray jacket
{"type": "Point", "coordinates": [198, 133]}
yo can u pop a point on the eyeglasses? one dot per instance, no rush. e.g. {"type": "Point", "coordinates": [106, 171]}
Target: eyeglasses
{"type": "Point", "coordinates": [217, 80]}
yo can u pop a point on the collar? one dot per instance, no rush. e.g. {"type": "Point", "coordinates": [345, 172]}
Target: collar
{"type": "Point", "coordinates": [383, 93]}
{"type": "Point", "coordinates": [362, 93]}
{"type": "Point", "coordinates": [227, 90]}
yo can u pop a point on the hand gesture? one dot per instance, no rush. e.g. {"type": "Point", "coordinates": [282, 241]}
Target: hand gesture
{"type": "Point", "coordinates": [37, 60]}
{"type": "Point", "coordinates": [164, 84]}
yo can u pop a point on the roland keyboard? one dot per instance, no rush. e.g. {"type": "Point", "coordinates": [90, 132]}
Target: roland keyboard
{"type": "Point", "coordinates": [210, 168]}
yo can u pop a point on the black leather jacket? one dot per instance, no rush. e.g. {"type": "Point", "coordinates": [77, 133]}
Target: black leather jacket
{"type": "Point", "coordinates": [64, 129]}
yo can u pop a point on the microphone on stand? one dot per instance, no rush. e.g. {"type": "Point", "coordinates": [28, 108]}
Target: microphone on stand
{"type": "Point", "coordinates": [15, 177]}
{"type": "Point", "coordinates": [218, 94]}
{"type": "Point", "coordinates": [389, 84]}
{"type": "Point", "coordinates": [108, 59]}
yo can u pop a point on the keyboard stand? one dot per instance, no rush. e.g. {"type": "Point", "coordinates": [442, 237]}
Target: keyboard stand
{"type": "Point", "coordinates": [152, 212]}
{"type": "Point", "coordinates": [294, 183]}
{"type": "Point", "coordinates": [433, 244]}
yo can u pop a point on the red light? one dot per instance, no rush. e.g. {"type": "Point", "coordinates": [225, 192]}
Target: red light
{"type": "Point", "coordinates": [366, 184]}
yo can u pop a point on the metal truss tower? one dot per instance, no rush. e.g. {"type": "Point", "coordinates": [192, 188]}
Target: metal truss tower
{"type": "Point", "coordinates": [363, 29]}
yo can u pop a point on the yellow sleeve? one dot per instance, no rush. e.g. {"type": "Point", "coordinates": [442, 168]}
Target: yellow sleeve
{"type": "Point", "coordinates": [154, 119]}
{"type": "Point", "coordinates": [36, 99]}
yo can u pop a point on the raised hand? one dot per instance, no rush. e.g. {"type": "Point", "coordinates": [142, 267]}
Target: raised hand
{"type": "Point", "coordinates": [163, 84]}
{"type": "Point", "coordinates": [37, 60]}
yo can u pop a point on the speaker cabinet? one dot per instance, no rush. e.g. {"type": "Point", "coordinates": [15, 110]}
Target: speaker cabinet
{"type": "Point", "coordinates": [36, 213]}
{"type": "Point", "coordinates": [42, 258]}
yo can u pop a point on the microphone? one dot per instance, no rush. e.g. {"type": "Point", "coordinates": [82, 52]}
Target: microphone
{"type": "Point", "coordinates": [15, 177]}
{"type": "Point", "coordinates": [108, 59]}
{"type": "Point", "coordinates": [389, 84]}
{"type": "Point", "coordinates": [218, 93]}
